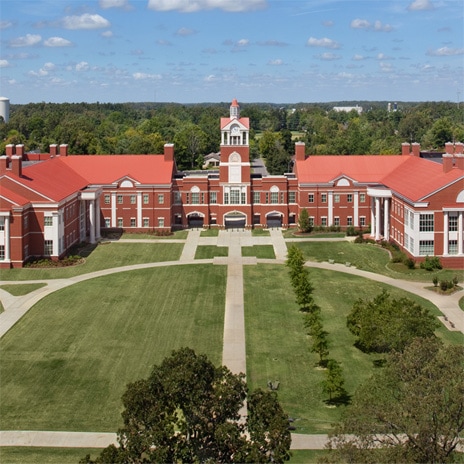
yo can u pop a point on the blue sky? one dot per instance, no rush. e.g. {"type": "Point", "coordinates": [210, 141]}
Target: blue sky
{"type": "Point", "coordinates": [188, 51]}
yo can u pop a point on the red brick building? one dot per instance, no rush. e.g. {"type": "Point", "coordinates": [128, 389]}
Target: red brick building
{"type": "Point", "coordinates": [54, 201]}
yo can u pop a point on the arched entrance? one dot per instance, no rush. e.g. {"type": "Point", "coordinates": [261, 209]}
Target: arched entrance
{"type": "Point", "coordinates": [195, 220]}
{"type": "Point", "coordinates": [274, 219]}
{"type": "Point", "coordinates": [235, 220]}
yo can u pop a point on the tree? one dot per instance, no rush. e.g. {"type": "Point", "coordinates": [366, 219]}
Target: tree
{"type": "Point", "coordinates": [304, 224]}
{"type": "Point", "coordinates": [295, 262]}
{"type": "Point", "coordinates": [385, 324]}
{"type": "Point", "coordinates": [188, 411]}
{"type": "Point", "coordinates": [319, 341]}
{"type": "Point", "coordinates": [410, 411]}
{"type": "Point", "coordinates": [334, 381]}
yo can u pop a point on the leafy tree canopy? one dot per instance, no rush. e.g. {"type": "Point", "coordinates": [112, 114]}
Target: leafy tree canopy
{"type": "Point", "coordinates": [385, 323]}
{"type": "Point", "coordinates": [410, 411]}
{"type": "Point", "coordinates": [188, 410]}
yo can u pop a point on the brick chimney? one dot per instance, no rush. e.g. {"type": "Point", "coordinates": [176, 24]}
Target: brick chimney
{"type": "Point", "coordinates": [63, 149]}
{"type": "Point", "coordinates": [17, 165]}
{"type": "Point", "coordinates": [3, 164]}
{"type": "Point", "coordinates": [447, 162]}
{"type": "Point", "coordinates": [405, 149]}
{"type": "Point", "coordinates": [459, 161]}
{"type": "Point", "coordinates": [20, 150]}
{"type": "Point", "coordinates": [300, 151]}
{"type": "Point", "coordinates": [10, 150]}
{"type": "Point", "coordinates": [53, 149]}
{"type": "Point", "coordinates": [458, 148]}
{"type": "Point", "coordinates": [449, 148]}
{"type": "Point", "coordinates": [168, 152]}
{"type": "Point", "coordinates": [416, 149]}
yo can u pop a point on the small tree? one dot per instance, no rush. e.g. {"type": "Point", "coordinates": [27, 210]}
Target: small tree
{"type": "Point", "coordinates": [334, 380]}
{"type": "Point", "coordinates": [319, 341]}
{"type": "Point", "coordinates": [304, 224]}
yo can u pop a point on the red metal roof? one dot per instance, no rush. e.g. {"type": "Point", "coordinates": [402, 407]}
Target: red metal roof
{"type": "Point", "coordinates": [244, 121]}
{"type": "Point", "coordinates": [106, 169]}
{"type": "Point", "coordinates": [410, 176]}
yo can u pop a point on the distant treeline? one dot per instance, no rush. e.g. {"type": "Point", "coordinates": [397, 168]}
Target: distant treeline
{"type": "Point", "coordinates": [139, 128]}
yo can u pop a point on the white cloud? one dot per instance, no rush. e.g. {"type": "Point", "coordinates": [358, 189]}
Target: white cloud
{"type": "Point", "coordinates": [419, 5]}
{"type": "Point", "coordinates": [107, 34]}
{"type": "Point", "coordinates": [243, 43]}
{"type": "Point", "coordinates": [4, 64]}
{"type": "Point", "coordinates": [446, 51]}
{"type": "Point", "coordinates": [26, 41]}
{"type": "Point", "coordinates": [113, 4]}
{"type": "Point", "coordinates": [360, 24]}
{"type": "Point", "coordinates": [191, 6]}
{"type": "Point", "coordinates": [5, 24]}
{"type": "Point", "coordinates": [44, 70]}
{"type": "Point", "coordinates": [57, 42]}
{"type": "Point", "coordinates": [386, 67]}
{"type": "Point", "coordinates": [329, 56]}
{"type": "Point", "coordinates": [142, 76]}
{"type": "Point", "coordinates": [85, 21]}
{"type": "Point", "coordinates": [358, 57]}
{"type": "Point", "coordinates": [277, 62]}
{"type": "Point", "coordinates": [365, 24]}
{"type": "Point", "coordinates": [324, 43]}
{"type": "Point", "coordinates": [82, 66]}
{"type": "Point", "coordinates": [184, 31]}
{"type": "Point", "coordinates": [210, 78]}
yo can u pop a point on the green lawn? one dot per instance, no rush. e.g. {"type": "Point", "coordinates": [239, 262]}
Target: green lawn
{"type": "Point", "coordinates": [104, 256]}
{"type": "Point", "coordinates": [66, 363]}
{"type": "Point", "coordinates": [33, 455]}
{"type": "Point", "coordinates": [371, 258]}
{"type": "Point", "coordinates": [209, 233]}
{"type": "Point", "coordinates": [278, 347]}
{"type": "Point", "coordinates": [21, 289]}
{"type": "Point", "coordinates": [260, 251]}
{"type": "Point", "coordinates": [210, 251]}
{"type": "Point", "coordinates": [178, 235]}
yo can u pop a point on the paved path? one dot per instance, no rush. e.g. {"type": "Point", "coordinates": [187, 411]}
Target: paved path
{"type": "Point", "coordinates": [234, 350]}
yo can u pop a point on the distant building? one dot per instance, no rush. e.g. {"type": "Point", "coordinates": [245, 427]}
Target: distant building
{"type": "Point", "coordinates": [347, 109]}
{"type": "Point", "coordinates": [5, 108]}
{"type": "Point", "coordinates": [48, 206]}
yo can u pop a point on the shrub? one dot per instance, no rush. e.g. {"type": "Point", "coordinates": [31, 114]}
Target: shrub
{"type": "Point", "coordinates": [431, 263]}
{"type": "Point", "coordinates": [351, 231]}
{"type": "Point", "coordinates": [455, 281]}
{"type": "Point", "coordinates": [410, 263]}
{"type": "Point", "coordinates": [435, 281]}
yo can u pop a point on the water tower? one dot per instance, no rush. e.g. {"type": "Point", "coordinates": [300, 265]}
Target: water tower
{"type": "Point", "coordinates": [5, 108]}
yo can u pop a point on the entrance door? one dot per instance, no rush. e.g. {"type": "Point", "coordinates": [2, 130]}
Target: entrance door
{"type": "Point", "coordinates": [274, 220]}
{"type": "Point", "coordinates": [195, 221]}
{"type": "Point", "coordinates": [235, 220]}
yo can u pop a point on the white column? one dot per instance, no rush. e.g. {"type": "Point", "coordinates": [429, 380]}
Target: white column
{"type": "Point", "coordinates": [372, 217]}
{"type": "Point", "coordinates": [6, 232]}
{"type": "Point", "coordinates": [386, 219]}
{"type": "Point", "coordinates": [97, 218]}
{"type": "Point", "coordinates": [92, 220]}
{"type": "Point", "coordinates": [460, 232]}
{"type": "Point", "coordinates": [139, 209]}
{"type": "Point", "coordinates": [356, 209]}
{"type": "Point", "coordinates": [377, 218]}
{"type": "Point", "coordinates": [445, 233]}
{"type": "Point", "coordinates": [330, 210]}
{"type": "Point", "coordinates": [113, 209]}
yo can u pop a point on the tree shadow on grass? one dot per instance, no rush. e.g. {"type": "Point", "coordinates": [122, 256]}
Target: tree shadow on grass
{"type": "Point", "coordinates": [341, 400]}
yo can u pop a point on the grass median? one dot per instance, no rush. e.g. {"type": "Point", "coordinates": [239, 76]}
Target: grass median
{"type": "Point", "coordinates": [65, 365]}
{"type": "Point", "coordinates": [278, 347]}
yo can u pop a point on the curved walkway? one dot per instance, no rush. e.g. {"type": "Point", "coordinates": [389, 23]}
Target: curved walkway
{"type": "Point", "coordinates": [234, 352]}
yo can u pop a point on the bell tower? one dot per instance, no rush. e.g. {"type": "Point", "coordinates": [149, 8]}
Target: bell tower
{"type": "Point", "coordinates": [234, 166]}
